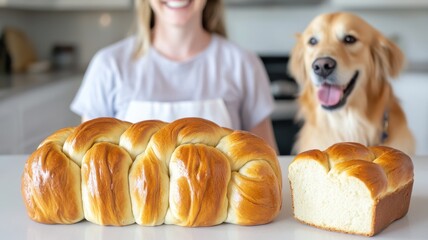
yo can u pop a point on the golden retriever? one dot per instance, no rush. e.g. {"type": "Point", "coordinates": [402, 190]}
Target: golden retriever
{"type": "Point", "coordinates": [343, 66]}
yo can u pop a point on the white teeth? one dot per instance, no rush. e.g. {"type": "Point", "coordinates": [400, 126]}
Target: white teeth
{"type": "Point", "coordinates": [177, 4]}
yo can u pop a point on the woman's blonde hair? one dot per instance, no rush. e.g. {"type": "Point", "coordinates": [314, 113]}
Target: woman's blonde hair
{"type": "Point", "coordinates": [212, 22]}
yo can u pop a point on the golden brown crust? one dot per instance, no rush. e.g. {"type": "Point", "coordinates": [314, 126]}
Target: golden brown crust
{"type": "Point", "coordinates": [105, 191]}
{"type": "Point", "coordinates": [346, 151]}
{"type": "Point", "coordinates": [58, 137]}
{"type": "Point", "coordinates": [392, 168]}
{"type": "Point", "coordinates": [90, 132]}
{"type": "Point", "coordinates": [397, 166]}
{"type": "Point", "coordinates": [149, 189]}
{"type": "Point", "coordinates": [199, 178]}
{"type": "Point", "coordinates": [138, 135]}
{"type": "Point", "coordinates": [391, 207]}
{"type": "Point", "coordinates": [254, 194]}
{"type": "Point", "coordinates": [371, 174]}
{"type": "Point", "coordinates": [50, 186]}
{"type": "Point", "coordinates": [182, 131]}
{"type": "Point", "coordinates": [242, 147]}
{"type": "Point", "coordinates": [314, 155]}
{"type": "Point", "coordinates": [125, 174]}
{"type": "Point", "coordinates": [256, 181]}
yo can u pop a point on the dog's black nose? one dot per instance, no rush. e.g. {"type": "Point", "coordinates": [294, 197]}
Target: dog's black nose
{"type": "Point", "coordinates": [324, 66]}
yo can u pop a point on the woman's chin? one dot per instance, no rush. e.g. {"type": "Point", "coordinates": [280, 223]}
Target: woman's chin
{"type": "Point", "coordinates": [180, 21]}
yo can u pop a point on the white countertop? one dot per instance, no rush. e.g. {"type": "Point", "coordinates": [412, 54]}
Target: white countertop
{"type": "Point", "coordinates": [15, 224]}
{"type": "Point", "coordinates": [11, 85]}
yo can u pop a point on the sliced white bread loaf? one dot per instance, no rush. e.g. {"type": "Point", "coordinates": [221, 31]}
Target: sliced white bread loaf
{"type": "Point", "coordinates": [351, 188]}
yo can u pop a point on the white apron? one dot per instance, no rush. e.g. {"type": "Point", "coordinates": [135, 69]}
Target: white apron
{"type": "Point", "coordinates": [214, 110]}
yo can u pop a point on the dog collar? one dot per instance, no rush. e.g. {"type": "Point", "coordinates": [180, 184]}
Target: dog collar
{"type": "Point", "coordinates": [385, 124]}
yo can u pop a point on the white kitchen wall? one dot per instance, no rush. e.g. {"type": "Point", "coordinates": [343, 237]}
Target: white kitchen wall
{"type": "Point", "coordinates": [272, 29]}
{"type": "Point", "coordinates": [80, 28]}
{"type": "Point", "coordinates": [261, 29]}
{"type": "Point", "coordinates": [12, 17]}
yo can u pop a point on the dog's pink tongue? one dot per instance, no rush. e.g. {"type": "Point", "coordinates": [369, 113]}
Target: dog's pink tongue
{"type": "Point", "coordinates": [329, 95]}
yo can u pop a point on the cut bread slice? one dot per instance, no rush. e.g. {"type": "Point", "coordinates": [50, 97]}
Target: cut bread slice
{"type": "Point", "coordinates": [350, 188]}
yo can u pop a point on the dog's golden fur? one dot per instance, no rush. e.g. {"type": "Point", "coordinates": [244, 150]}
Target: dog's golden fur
{"type": "Point", "coordinates": [372, 59]}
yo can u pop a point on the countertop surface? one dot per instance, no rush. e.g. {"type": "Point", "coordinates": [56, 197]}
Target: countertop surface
{"type": "Point", "coordinates": [15, 224]}
{"type": "Point", "coordinates": [11, 85]}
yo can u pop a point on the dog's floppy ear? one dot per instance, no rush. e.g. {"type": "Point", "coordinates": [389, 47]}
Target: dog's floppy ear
{"type": "Point", "coordinates": [296, 65]}
{"type": "Point", "coordinates": [387, 57]}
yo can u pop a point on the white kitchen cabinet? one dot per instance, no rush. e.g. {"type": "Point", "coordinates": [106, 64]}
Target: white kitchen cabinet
{"type": "Point", "coordinates": [29, 117]}
{"type": "Point", "coordinates": [67, 4]}
{"type": "Point", "coordinates": [410, 88]}
{"type": "Point", "coordinates": [270, 2]}
{"type": "Point", "coordinates": [93, 4]}
{"type": "Point", "coordinates": [9, 126]}
{"type": "Point", "coordinates": [379, 4]}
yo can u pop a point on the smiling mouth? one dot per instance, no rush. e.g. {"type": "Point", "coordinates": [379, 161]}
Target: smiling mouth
{"type": "Point", "coordinates": [333, 96]}
{"type": "Point", "coordinates": [177, 4]}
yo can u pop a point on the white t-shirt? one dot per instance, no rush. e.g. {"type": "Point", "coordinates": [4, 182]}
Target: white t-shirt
{"type": "Point", "coordinates": [223, 70]}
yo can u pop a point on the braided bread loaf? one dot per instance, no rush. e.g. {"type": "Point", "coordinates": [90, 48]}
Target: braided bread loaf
{"type": "Point", "coordinates": [351, 188]}
{"type": "Point", "coordinates": [190, 172]}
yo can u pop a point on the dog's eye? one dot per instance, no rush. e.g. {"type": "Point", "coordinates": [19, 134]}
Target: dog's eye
{"type": "Point", "coordinates": [349, 39]}
{"type": "Point", "coordinates": [313, 41]}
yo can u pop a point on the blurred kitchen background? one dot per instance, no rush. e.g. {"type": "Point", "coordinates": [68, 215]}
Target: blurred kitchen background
{"type": "Point", "coordinates": [47, 44]}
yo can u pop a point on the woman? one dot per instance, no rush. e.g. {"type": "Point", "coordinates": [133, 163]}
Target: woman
{"type": "Point", "coordinates": [179, 64]}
